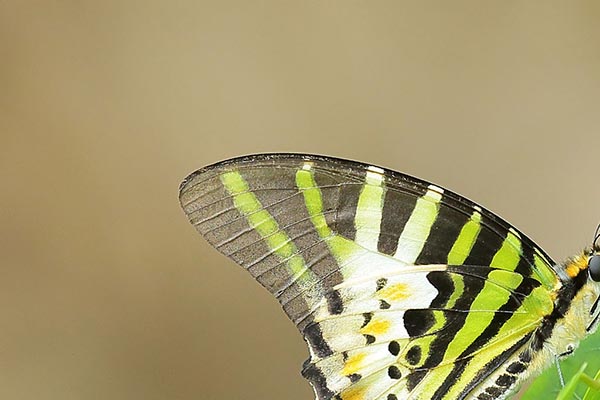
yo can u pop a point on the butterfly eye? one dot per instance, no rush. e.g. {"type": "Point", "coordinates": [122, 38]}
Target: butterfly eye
{"type": "Point", "coordinates": [594, 267]}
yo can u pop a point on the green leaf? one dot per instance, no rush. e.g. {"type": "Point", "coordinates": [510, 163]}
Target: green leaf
{"type": "Point", "coordinates": [568, 391]}
{"type": "Point", "coordinates": [593, 391]}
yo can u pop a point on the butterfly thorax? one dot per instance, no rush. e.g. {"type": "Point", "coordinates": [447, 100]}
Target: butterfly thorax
{"type": "Point", "coordinates": [576, 310]}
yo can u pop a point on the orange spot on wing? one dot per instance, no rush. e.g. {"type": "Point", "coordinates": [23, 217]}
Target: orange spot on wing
{"type": "Point", "coordinates": [576, 264]}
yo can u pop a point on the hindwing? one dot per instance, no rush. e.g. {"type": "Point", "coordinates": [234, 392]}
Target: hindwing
{"type": "Point", "coordinates": [400, 288]}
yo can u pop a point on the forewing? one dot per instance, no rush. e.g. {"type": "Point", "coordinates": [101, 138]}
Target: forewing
{"type": "Point", "coordinates": [363, 258]}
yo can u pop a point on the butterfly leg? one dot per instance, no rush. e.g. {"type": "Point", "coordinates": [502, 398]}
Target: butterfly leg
{"type": "Point", "coordinates": [560, 375]}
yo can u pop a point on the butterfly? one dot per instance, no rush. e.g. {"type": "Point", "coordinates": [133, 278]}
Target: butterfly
{"type": "Point", "coordinates": [400, 288]}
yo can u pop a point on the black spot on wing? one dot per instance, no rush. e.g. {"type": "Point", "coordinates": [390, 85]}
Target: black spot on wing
{"type": "Point", "coordinates": [494, 391]}
{"type": "Point", "coordinates": [335, 304]}
{"type": "Point", "coordinates": [384, 305]}
{"type": "Point", "coordinates": [516, 367]}
{"type": "Point", "coordinates": [506, 380]}
{"type": "Point", "coordinates": [394, 372]}
{"type": "Point", "coordinates": [417, 322]}
{"type": "Point", "coordinates": [525, 356]}
{"type": "Point", "coordinates": [394, 348]}
{"type": "Point", "coordinates": [367, 318]}
{"type": "Point", "coordinates": [413, 355]}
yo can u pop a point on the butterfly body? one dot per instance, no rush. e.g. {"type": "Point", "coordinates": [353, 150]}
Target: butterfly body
{"type": "Point", "coordinates": [401, 289]}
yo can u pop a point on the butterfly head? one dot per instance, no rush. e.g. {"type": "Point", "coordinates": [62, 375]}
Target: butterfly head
{"type": "Point", "coordinates": [593, 282]}
{"type": "Point", "coordinates": [583, 272]}
{"type": "Point", "coordinates": [593, 261]}
{"type": "Point", "coordinates": [594, 266]}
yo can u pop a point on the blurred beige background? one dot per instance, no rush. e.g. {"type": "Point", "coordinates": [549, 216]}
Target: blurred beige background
{"type": "Point", "coordinates": [106, 291]}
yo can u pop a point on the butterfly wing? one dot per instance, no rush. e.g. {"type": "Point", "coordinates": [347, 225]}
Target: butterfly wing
{"type": "Point", "coordinates": [400, 288]}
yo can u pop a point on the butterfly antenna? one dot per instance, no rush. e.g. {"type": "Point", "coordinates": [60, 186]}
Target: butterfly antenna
{"type": "Point", "coordinates": [595, 244]}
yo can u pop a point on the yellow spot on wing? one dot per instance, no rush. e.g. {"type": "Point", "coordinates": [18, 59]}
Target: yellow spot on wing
{"type": "Point", "coordinates": [353, 364]}
{"type": "Point", "coordinates": [395, 292]}
{"type": "Point", "coordinates": [376, 326]}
